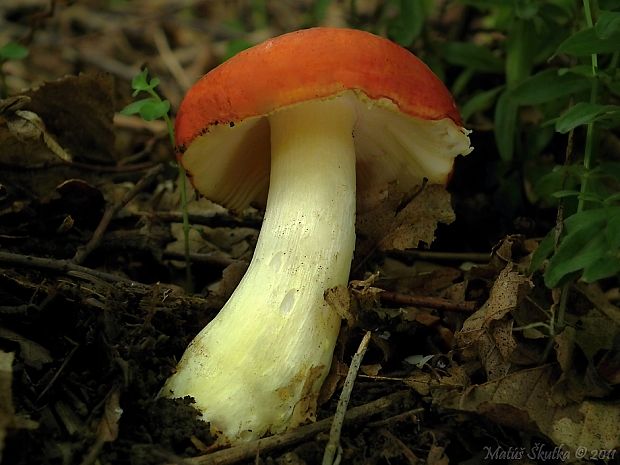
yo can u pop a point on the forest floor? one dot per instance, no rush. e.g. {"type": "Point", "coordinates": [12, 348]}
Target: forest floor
{"type": "Point", "coordinates": [464, 365]}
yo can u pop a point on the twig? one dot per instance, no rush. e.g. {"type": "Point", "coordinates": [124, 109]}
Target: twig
{"type": "Point", "coordinates": [408, 453]}
{"type": "Point", "coordinates": [427, 301]}
{"type": "Point", "coordinates": [408, 415]}
{"type": "Point", "coordinates": [248, 450]}
{"type": "Point", "coordinates": [214, 220]}
{"type": "Point", "coordinates": [60, 265]}
{"type": "Point", "coordinates": [211, 258]}
{"type": "Point", "coordinates": [157, 127]}
{"type": "Point", "coordinates": [111, 212]}
{"type": "Point", "coordinates": [333, 444]}
{"type": "Point", "coordinates": [441, 256]}
{"type": "Point", "coordinates": [170, 59]}
{"type": "Point", "coordinates": [595, 295]}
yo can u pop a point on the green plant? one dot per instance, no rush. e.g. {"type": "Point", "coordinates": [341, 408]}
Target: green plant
{"type": "Point", "coordinates": [556, 85]}
{"type": "Point", "coordinates": [587, 241]}
{"type": "Point", "coordinates": [151, 108]}
{"type": "Point", "coordinates": [10, 51]}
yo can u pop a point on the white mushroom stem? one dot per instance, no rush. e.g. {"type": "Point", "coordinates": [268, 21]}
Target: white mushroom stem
{"type": "Point", "coordinates": [259, 365]}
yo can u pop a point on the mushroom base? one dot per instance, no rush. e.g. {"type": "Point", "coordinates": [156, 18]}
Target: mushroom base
{"type": "Point", "coordinates": [258, 367]}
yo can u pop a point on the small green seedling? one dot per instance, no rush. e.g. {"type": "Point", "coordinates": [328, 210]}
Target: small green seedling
{"type": "Point", "coordinates": [151, 108]}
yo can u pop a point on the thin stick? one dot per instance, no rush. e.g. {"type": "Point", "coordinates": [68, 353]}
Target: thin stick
{"type": "Point", "coordinates": [211, 258]}
{"type": "Point", "coordinates": [170, 59]}
{"type": "Point", "coordinates": [61, 265]}
{"type": "Point", "coordinates": [334, 435]}
{"type": "Point", "coordinates": [248, 450]}
{"type": "Point", "coordinates": [214, 220]}
{"type": "Point", "coordinates": [111, 212]}
{"type": "Point", "coordinates": [427, 301]}
{"type": "Point", "coordinates": [441, 256]}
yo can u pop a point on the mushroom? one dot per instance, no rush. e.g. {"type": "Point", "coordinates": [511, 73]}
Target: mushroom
{"type": "Point", "coordinates": [299, 124]}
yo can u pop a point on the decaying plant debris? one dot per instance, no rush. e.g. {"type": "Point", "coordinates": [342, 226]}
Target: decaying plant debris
{"type": "Point", "coordinates": [465, 358]}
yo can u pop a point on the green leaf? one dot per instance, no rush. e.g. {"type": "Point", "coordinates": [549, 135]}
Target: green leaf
{"type": "Point", "coordinates": [585, 245]}
{"type": "Point", "coordinates": [520, 51]}
{"type": "Point", "coordinates": [505, 125]}
{"type": "Point", "coordinates": [235, 46]}
{"type": "Point", "coordinates": [134, 107]}
{"type": "Point", "coordinates": [148, 108]}
{"type": "Point", "coordinates": [609, 4]}
{"type": "Point", "coordinates": [608, 25]}
{"type": "Point", "coordinates": [547, 86]}
{"type": "Point", "coordinates": [527, 9]}
{"type": "Point", "coordinates": [565, 193]}
{"type": "Point", "coordinates": [605, 267]}
{"type": "Point", "coordinates": [319, 10]}
{"type": "Point", "coordinates": [479, 102]}
{"type": "Point", "coordinates": [140, 81]}
{"type": "Point", "coordinates": [588, 217]}
{"type": "Point", "coordinates": [612, 198]}
{"type": "Point", "coordinates": [559, 178]}
{"type": "Point", "coordinates": [576, 251]}
{"type": "Point", "coordinates": [13, 51]}
{"type": "Point", "coordinates": [613, 232]}
{"type": "Point", "coordinates": [584, 113]}
{"type": "Point", "coordinates": [407, 26]}
{"type": "Point", "coordinates": [469, 55]}
{"type": "Point", "coordinates": [154, 109]}
{"type": "Point", "coordinates": [542, 252]}
{"type": "Point", "coordinates": [587, 42]}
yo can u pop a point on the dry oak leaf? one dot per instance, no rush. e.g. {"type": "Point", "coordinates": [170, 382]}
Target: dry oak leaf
{"type": "Point", "coordinates": [522, 400]}
{"type": "Point", "coordinates": [401, 220]}
{"type": "Point", "coordinates": [487, 333]}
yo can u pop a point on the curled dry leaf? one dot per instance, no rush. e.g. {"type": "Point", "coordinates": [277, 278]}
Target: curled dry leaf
{"type": "Point", "coordinates": [425, 383]}
{"type": "Point", "coordinates": [401, 220]}
{"type": "Point", "coordinates": [32, 353]}
{"type": "Point", "coordinates": [487, 334]}
{"type": "Point", "coordinates": [25, 142]}
{"type": "Point", "coordinates": [523, 400]}
{"type": "Point", "coordinates": [78, 111]}
{"type": "Point", "coordinates": [339, 300]}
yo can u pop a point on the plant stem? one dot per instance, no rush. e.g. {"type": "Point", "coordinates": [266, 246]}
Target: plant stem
{"type": "Point", "coordinates": [588, 154]}
{"type": "Point", "coordinates": [183, 180]}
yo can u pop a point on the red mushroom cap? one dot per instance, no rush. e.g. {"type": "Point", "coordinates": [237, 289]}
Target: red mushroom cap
{"type": "Point", "coordinates": [311, 64]}
{"type": "Point", "coordinates": [408, 125]}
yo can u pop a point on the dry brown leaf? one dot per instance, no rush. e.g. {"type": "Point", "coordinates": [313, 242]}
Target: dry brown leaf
{"type": "Point", "coordinates": [371, 370]}
{"type": "Point", "coordinates": [339, 300]}
{"type": "Point", "coordinates": [594, 332]}
{"type": "Point", "coordinates": [487, 334]}
{"type": "Point", "coordinates": [425, 383]}
{"type": "Point", "coordinates": [26, 143]}
{"type": "Point", "coordinates": [421, 382]}
{"type": "Point", "coordinates": [593, 425]}
{"type": "Point", "coordinates": [437, 456]}
{"type": "Point", "coordinates": [594, 293]}
{"type": "Point", "coordinates": [108, 426]}
{"type": "Point", "coordinates": [578, 380]}
{"type": "Point", "coordinates": [231, 277]}
{"type": "Point", "coordinates": [33, 354]}
{"type": "Point", "coordinates": [78, 111]}
{"type": "Point", "coordinates": [8, 418]}
{"type": "Point", "coordinates": [389, 225]}
{"type": "Point", "coordinates": [522, 400]}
